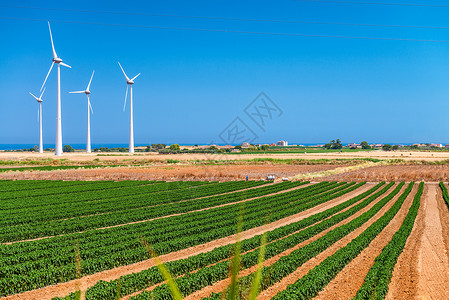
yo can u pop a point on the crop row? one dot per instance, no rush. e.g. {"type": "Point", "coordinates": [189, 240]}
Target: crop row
{"type": "Point", "coordinates": [288, 264]}
{"type": "Point", "coordinates": [113, 247]}
{"type": "Point", "coordinates": [445, 193]}
{"type": "Point", "coordinates": [82, 195]}
{"type": "Point", "coordinates": [309, 285]}
{"type": "Point", "coordinates": [151, 195]}
{"type": "Point", "coordinates": [379, 276]}
{"type": "Point", "coordinates": [22, 185]}
{"type": "Point", "coordinates": [30, 193]}
{"type": "Point", "coordinates": [138, 281]}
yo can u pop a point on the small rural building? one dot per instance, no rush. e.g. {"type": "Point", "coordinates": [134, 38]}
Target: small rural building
{"type": "Point", "coordinates": [282, 143]}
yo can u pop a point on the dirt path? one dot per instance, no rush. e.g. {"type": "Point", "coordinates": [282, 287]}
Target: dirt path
{"type": "Point", "coordinates": [309, 265]}
{"type": "Point", "coordinates": [163, 217]}
{"type": "Point", "coordinates": [221, 285]}
{"type": "Point", "coordinates": [63, 289]}
{"type": "Point", "coordinates": [433, 265]}
{"type": "Point", "coordinates": [346, 284]}
{"type": "Point", "coordinates": [403, 285]}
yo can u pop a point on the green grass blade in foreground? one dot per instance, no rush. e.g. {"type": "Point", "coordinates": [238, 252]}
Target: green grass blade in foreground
{"type": "Point", "coordinates": [174, 289]}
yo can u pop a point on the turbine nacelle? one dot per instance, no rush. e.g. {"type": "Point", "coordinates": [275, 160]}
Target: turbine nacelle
{"type": "Point", "coordinates": [57, 60]}
{"type": "Point", "coordinates": [130, 82]}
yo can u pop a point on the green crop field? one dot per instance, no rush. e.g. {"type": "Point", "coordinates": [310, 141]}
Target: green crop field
{"type": "Point", "coordinates": [217, 240]}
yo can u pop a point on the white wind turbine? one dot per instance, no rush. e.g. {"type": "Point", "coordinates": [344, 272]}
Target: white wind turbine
{"type": "Point", "coordinates": [57, 60]}
{"type": "Point", "coordinates": [129, 83]}
{"type": "Point", "coordinates": [39, 114]}
{"type": "Point", "coordinates": [87, 92]}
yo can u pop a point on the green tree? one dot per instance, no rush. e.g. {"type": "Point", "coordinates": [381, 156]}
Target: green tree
{"type": "Point", "coordinates": [365, 145]}
{"type": "Point", "coordinates": [265, 147]}
{"type": "Point", "coordinates": [175, 147]}
{"type": "Point", "coordinates": [395, 147]}
{"type": "Point", "coordinates": [68, 148]}
{"type": "Point", "coordinates": [387, 147]}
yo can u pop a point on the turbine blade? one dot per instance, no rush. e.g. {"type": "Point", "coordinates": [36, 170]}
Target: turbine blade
{"type": "Point", "coordinates": [90, 106]}
{"type": "Point", "coordinates": [42, 93]}
{"type": "Point", "coordinates": [126, 95]}
{"type": "Point", "coordinates": [52, 45]}
{"type": "Point", "coordinates": [88, 86]}
{"type": "Point", "coordinates": [34, 96]}
{"type": "Point", "coordinates": [65, 65]}
{"type": "Point", "coordinates": [77, 92]}
{"type": "Point", "coordinates": [51, 67]}
{"type": "Point", "coordinates": [135, 77]}
{"type": "Point", "coordinates": [123, 71]}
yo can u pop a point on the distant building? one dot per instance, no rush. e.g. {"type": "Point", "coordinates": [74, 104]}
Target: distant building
{"type": "Point", "coordinates": [282, 143]}
{"type": "Point", "coordinates": [436, 145]}
{"type": "Point", "coordinates": [245, 145]}
{"type": "Point", "coordinates": [447, 145]}
{"type": "Point", "coordinates": [272, 145]}
{"type": "Point", "coordinates": [354, 145]}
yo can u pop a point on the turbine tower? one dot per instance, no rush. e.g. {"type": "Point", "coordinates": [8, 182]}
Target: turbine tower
{"type": "Point", "coordinates": [87, 92]}
{"type": "Point", "coordinates": [39, 116]}
{"type": "Point", "coordinates": [129, 84]}
{"type": "Point", "coordinates": [57, 60]}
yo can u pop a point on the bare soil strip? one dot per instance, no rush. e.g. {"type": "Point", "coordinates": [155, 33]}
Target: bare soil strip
{"type": "Point", "coordinates": [346, 284]}
{"type": "Point", "coordinates": [163, 217]}
{"type": "Point", "coordinates": [433, 264]}
{"type": "Point", "coordinates": [221, 285]}
{"type": "Point", "coordinates": [403, 285]}
{"type": "Point", "coordinates": [305, 268]}
{"type": "Point", "coordinates": [63, 289]}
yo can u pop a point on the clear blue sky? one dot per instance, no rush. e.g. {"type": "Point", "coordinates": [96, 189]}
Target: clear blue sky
{"type": "Point", "coordinates": [194, 83]}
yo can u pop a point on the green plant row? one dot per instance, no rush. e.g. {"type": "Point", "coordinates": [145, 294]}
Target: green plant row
{"type": "Point", "coordinates": [309, 285]}
{"type": "Point", "coordinates": [379, 276]}
{"type": "Point", "coordinates": [155, 194]}
{"type": "Point", "coordinates": [10, 197]}
{"type": "Point", "coordinates": [23, 185]}
{"type": "Point", "coordinates": [45, 262]}
{"type": "Point", "coordinates": [114, 189]}
{"type": "Point", "coordinates": [445, 193]}
{"type": "Point", "coordinates": [139, 281]}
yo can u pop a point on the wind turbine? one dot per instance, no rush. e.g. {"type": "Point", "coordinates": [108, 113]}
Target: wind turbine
{"type": "Point", "coordinates": [57, 60]}
{"type": "Point", "coordinates": [87, 92]}
{"type": "Point", "coordinates": [129, 83]}
{"type": "Point", "coordinates": [39, 115]}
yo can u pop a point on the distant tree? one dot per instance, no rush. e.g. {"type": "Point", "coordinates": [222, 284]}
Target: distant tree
{"type": "Point", "coordinates": [213, 148]}
{"type": "Point", "coordinates": [414, 147]}
{"type": "Point", "coordinates": [365, 145]}
{"type": "Point", "coordinates": [196, 145]}
{"type": "Point", "coordinates": [148, 149]}
{"type": "Point", "coordinates": [238, 147]}
{"type": "Point", "coordinates": [158, 146]}
{"type": "Point", "coordinates": [387, 147]}
{"type": "Point", "coordinates": [334, 144]}
{"type": "Point", "coordinates": [395, 147]}
{"type": "Point", "coordinates": [175, 147]}
{"type": "Point", "coordinates": [265, 147]}
{"type": "Point", "coordinates": [68, 148]}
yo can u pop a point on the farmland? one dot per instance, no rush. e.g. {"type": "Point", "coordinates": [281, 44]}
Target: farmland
{"type": "Point", "coordinates": [284, 240]}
